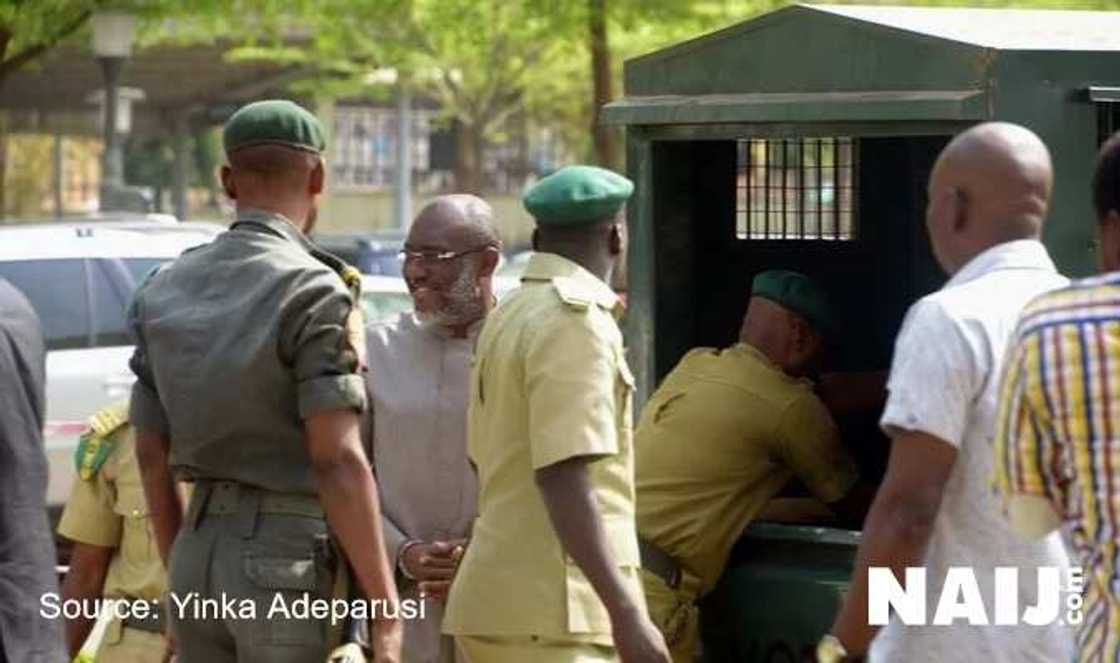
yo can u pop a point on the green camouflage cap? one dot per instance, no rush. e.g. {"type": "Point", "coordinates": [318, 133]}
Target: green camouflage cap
{"type": "Point", "coordinates": [275, 121]}
{"type": "Point", "coordinates": [797, 293]}
{"type": "Point", "coordinates": [576, 195]}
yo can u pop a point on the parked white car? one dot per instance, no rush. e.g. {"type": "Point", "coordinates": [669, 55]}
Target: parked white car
{"type": "Point", "coordinates": [79, 278]}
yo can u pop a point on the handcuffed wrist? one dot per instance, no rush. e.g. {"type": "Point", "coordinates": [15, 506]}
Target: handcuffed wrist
{"type": "Point", "coordinates": [400, 557]}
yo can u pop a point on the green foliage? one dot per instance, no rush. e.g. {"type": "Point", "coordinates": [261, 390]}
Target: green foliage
{"type": "Point", "coordinates": [481, 61]}
{"type": "Point", "coordinates": [149, 162]}
{"type": "Point", "coordinates": [30, 27]}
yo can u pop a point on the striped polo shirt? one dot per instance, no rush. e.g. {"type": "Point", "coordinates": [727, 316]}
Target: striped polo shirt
{"type": "Point", "coordinates": [1058, 437]}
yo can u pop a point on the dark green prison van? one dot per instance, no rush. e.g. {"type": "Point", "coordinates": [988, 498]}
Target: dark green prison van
{"type": "Point", "coordinates": [803, 139]}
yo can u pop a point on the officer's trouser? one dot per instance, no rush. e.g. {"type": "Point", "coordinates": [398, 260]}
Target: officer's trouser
{"type": "Point", "coordinates": [531, 649]}
{"type": "Point", "coordinates": [130, 645]}
{"type": "Point", "coordinates": [675, 614]}
{"type": "Point", "coordinates": [244, 557]}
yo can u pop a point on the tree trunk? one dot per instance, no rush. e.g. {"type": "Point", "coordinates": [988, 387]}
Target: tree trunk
{"type": "Point", "coordinates": [469, 146]}
{"type": "Point", "coordinates": [604, 138]}
{"type": "Point", "coordinates": [3, 166]}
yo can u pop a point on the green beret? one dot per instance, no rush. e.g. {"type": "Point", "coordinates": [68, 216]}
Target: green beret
{"type": "Point", "coordinates": [276, 121]}
{"type": "Point", "coordinates": [576, 195]}
{"type": "Point", "coordinates": [797, 293]}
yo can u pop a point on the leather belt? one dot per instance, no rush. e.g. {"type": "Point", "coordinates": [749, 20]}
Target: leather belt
{"type": "Point", "coordinates": [229, 498]}
{"type": "Point", "coordinates": [153, 623]}
{"type": "Point", "coordinates": [659, 563]}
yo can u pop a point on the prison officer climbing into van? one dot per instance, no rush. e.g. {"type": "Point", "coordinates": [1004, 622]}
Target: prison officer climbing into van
{"type": "Point", "coordinates": [721, 436]}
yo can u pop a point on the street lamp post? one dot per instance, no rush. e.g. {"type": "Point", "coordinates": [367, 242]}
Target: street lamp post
{"type": "Point", "coordinates": [112, 43]}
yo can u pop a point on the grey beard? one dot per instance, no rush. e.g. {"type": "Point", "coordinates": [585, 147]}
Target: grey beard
{"type": "Point", "coordinates": [463, 302]}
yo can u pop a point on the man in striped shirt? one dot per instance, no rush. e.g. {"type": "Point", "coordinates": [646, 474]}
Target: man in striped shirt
{"type": "Point", "coordinates": [1057, 446]}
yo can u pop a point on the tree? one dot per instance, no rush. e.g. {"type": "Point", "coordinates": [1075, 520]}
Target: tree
{"type": "Point", "coordinates": [28, 29]}
{"type": "Point", "coordinates": [480, 61]}
{"type": "Point", "coordinates": [605, 139]}
{"type": "Point", "coordinates": [485, 61]}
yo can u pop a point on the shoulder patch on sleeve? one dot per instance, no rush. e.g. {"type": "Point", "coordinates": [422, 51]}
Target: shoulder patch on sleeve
{"type": "Point", "coordinates": [94, 445]}
{"type": "Point", "coordinates": [349, 274]}
{"type": "Point", "coordinates": [572, 293]}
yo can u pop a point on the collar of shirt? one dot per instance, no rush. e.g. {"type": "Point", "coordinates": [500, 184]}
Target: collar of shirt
{"type": "Point", "coordinates": [1019, 254]}
{"type": "Point", "coordinates": [277, 224]}
{"type": "Point", "coordinates": [755, 354]}
{"type": "Point", "coordinates": [549, 266]}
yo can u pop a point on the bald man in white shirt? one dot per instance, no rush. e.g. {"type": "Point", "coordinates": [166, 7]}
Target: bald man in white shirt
{"type": "Point", "coordinates": [989, 194]}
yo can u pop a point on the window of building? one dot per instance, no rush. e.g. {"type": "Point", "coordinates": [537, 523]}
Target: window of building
{"type": "Point", "coordinates": [796, 189]}
{"type": "Point", "coordinates": [363, 153]}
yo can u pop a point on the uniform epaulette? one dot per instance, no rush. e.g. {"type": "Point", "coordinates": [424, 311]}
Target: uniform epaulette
{"type": "Point", "coordinates": [94, 445]}
{"type": "Point", "coordinates": [347, 272]}
{"type": "Point", "coordinates": [355, 322]}
{"type": "Point", "coordinates": [572, 293]}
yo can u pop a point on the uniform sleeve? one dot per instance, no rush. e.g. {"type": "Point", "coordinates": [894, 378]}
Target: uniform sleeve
{"type": "Point", "coordinates": [935, 376]}
{"type": "Point", "coordinates": [571, 377]}
{"type": "Point", "coordinates": [145, 408]}
{"type": "Point", "coordinates": [809, 443]}
{"type": "Point", "coordinates": [1026, 454]}
{"type": "Point", "coordinates": [316, 344]}
{"type": "Point", "coordinates": [89, 516]}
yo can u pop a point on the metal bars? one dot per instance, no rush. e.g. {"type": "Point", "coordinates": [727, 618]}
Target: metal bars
{"type": "Point", "coordinates": [796, 189]}
{"type": "Point", "coordinates": [1108, 121]}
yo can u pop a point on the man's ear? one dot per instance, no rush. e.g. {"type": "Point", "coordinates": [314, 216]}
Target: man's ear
{"type": "Point", "coordinates": [225, 175]}
{"type": "Point", "coordinates": [799, 333]}
{"type": "Point", "coordinates": [489, 263]}
{"type": "Point", "coordinates": [1109, 242]}
{"type": "Point", "coordinates": [318, 178]}
{"type": "Point", "coordinates": [615, 239]}
{"type": "Point", "coordinates": [957, 208]}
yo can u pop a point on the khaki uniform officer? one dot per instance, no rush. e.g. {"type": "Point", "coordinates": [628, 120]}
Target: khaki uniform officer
{"type": "Point", "coordinates": [114, 555]}
{"type": "Point", "coordinates": [552, 567]}
{"type": "Point", "coordinates": [724, 432]}
{"type": "Point", "coordinates": [247, 359]}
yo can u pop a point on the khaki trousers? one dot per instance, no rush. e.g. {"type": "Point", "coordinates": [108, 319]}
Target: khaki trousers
{"type": "Point", "coordinates": [675, 614]}
{"type": "Point", "coordinates": [531, 649]}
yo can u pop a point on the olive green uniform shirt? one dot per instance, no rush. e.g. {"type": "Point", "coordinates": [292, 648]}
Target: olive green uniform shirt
{"type": "Point", "coordinates": [238, 341]}
{"type": "Point", "coordinates": [550, 382]}
{"type": "Point", "coordinates": [108, 509]}
{"type": "Point", "coordinates": [718, 439]}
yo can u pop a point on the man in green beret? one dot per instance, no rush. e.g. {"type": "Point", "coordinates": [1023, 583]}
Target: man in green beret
{"type": "Point", "coordinates": [721, 436]}
{"type": "Point", "coordinates": [247, 363]}
{"type": "Point", "coordinates": [551, 572]}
